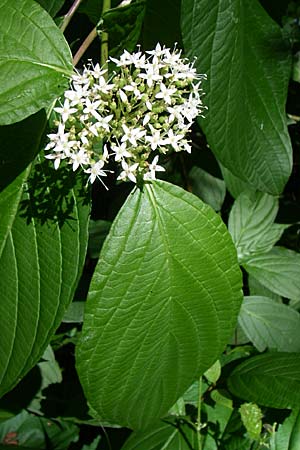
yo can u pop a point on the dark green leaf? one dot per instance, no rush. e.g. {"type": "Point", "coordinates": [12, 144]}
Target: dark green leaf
{"type": "Point", "coordinates": [248, 65]}
{"type": "Point", "coordinates": [278, 270]}
{"type": "Point", "coordinates": [167, 266]}
{"type": "Point", "coordinates": [210, 189]}
{"type": "Point", "coordinates": [52, 6]}
{"type": "Point", "coordinates": [93, 445]}
{"type": "Point", "coordinates": [32, 432]}
{"type": "Point", "coordinates": [19, 145]}
{"type": "Point", "coordinates": [288, 435]}
{"type": "Point", "coordinates": [270, 324]}
{"type": "Point", "coordinates": [98, 230]}
{"type": "Point", "coordinates": [163, 436]}
{"type": "Point", "coordinates": [271, 379]}
{"type": "Point", "coordinates": [233, 184]}
{"type": "Point", "coordinates": [123, 25]}
{"type": "Point", "coordinates": [34, 50]}
{"type": "Point", "coordinates": [39, 269]}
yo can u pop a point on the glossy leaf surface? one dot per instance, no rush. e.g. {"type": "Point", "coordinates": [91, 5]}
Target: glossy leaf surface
{"type": "Point", "coordinates": [247, 64]}
{"type": "Point", "coordinates": [34, 50]}
{"type": "Point", "coordinates": [168, 266]}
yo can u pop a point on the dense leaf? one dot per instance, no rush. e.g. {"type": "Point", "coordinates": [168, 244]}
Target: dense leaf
{"type": "Point", "coordinates": [270, 324]}
{"type": "Point", "coordinates": [247, 63]}
{"type": "Point", "coordinates": [271, 379]}
{"type": "Point", "coordinates": [288, 435]}
{"type": "Point", "coordinates": [256, 288]}
{"type": "Point", "coordinates": [39, 269]}
{"type": "Point", "coordinates": [278, 270]}
{"type": "Point", "coordinates": [123, 25]}
{"type": "Point", "coordinates": [210, 189]}
{"type": "Point", "coordinates": [52, 6]}
{"type": "Point", "coordinates": [98, 230]}
{"type": "Point", "coordinates": [163, 436]}
{"type": "Point", "coordinates": [19, 145]}
{"type": "Point", "coordinates": [234, 184]}
{"type": "Point", "coordinates": [167, 266]}
{"type": "Point", "coordinates": [34, 432]}
{"type": "Point", "coordinates": [34, 50]}
{"type": "Point", "coordinates": [251, 223]}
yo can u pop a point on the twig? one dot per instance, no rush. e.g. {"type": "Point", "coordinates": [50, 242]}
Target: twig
{"type": "Point", "coordinates": [69, 15]}
{"type": "Point", "coordinates": [84, 46]}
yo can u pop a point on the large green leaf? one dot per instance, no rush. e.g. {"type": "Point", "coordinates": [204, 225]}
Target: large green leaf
{"type": "Point", "coordinates": [34, 60]}
{"type": "Point", "coordinates": [163, 436]}
{"type": "Point", "coordinates": [270, 324]}
{"type": "Point", "coordinates": [39, 269]}
{"type": "Point", "coordinates": [242, 52]}
{"type": "Point", "coordinates": [162, 304]}
{"type": "Point", "coordinates": [271, 379]}
{"type": "Point", "coordinates": [288, 435]}
{"type": "Point", "coordinates": [278, 270]}
{"type": "Point", "coordinates": [251, 223]}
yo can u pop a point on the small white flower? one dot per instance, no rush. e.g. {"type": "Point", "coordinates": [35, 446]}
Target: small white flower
{"type": "Point", "coordinates": [120, 151]}
{"type": "Point", "coordinates": [173, 139]}
{"type": "Point", "coordinates": [65, 111]}
{"type": "Point", "coordinates": [79, 159]}
{"type": "Point", "coordinates": [153, 167]}
{"type": "Point", "coordinates": [128, 172]}
{"type": "Point", "coordinates": [132, 135]}
{"type": "Point", "coordinates": [123, 96]}
{"type": "Point", "coordinates": [165, 93]}
{"type": "Point", "coordinates": [151, 75]}
{"type": "Point", "coordinates": [96, 171]}
{"type": "Point", "coordinates": [155, 139]}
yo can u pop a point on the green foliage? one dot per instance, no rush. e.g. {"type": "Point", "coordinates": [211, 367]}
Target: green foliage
{"type": "Point", "coordinates": [288, 435]}
{"type": "Point", "coordinates": [251, 224]}
{"type": "Point", "coordinates": [270, 325]}
{"type": "Point", "coordinates": [238, 46]}
{"type": "Point", "coordinates": [38, 57]}
{"type": "Point", "coordinates": [40, 265]}
{"type": "Point", "coordinates": [271, 379]}
{"type": "Point", "coordinates": [164, 344]}
{"type": "Point", "coordinates": [278, 270]}
{"type": "Point", "coordinates": [180, 290]}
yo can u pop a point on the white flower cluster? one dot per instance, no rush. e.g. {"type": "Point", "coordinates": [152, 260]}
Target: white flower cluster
{"type": "Point", "coordinates": [146, 108]}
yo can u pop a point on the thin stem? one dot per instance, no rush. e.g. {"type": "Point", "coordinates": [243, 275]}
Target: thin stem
{"type": "Point", "coordinates": [104, 37]}
{"type": "Point", "coordinates": [69, 15]}
{"type": "Point", "coordinates": [84, 46]}
{"type": "Point", "coordinates": [199, 425]}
